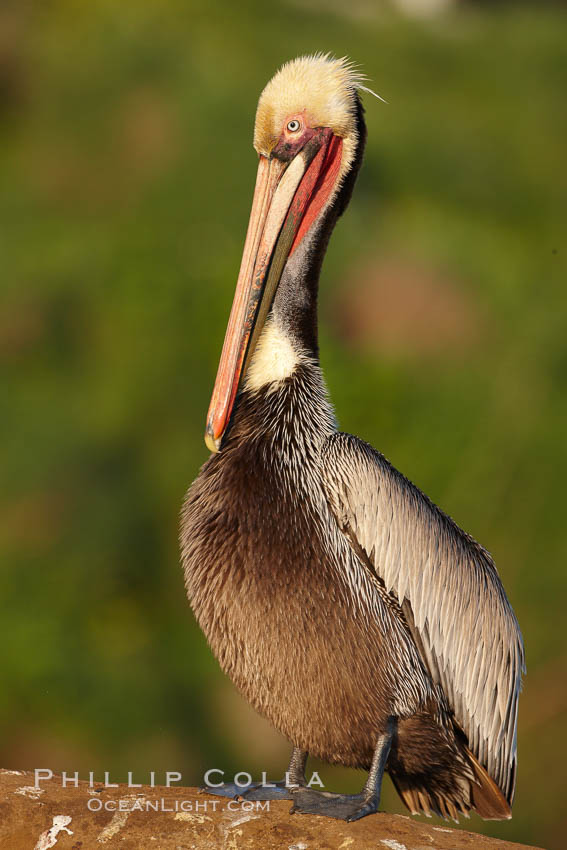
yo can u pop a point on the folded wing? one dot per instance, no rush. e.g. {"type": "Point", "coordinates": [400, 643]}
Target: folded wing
{"type": "Point", "coordinates": [449, 590]}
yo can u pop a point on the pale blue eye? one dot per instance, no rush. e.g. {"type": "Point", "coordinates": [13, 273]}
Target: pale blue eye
{"type": "Point", "coordinates": [293, 126]}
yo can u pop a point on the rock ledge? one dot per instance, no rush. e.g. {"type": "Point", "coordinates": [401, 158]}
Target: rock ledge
{"type": "Point", "coordinates": [82, 817]}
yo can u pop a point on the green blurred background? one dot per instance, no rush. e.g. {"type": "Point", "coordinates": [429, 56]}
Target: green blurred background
{"type": "Point", "coordinates": [127, 172]}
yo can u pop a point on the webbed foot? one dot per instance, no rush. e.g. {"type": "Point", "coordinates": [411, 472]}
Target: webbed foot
{"type": "Point", "coordinates": [281, 790]}
{"type": "Point", "coordinates": [227, 789]}
{"type": "Point", "coordinates": [348, 807]}
{"type": "Point", "coordinates": [271, 791]}
{"type": "Point", "coordinates": [254, 791]}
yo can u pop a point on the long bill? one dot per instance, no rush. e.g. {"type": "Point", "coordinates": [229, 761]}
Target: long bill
{"type": "Point", "coordinates": [286, 194]}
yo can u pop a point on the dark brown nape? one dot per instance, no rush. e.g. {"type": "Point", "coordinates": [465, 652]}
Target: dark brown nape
{"type": "Point", "coordinates": [345, 194]}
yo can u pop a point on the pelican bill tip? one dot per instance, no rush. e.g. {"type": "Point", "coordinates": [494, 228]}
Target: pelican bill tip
{"type": "Point", "coordinates": [212, 442]}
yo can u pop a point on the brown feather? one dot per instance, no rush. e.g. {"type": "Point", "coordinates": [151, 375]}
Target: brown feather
{"type": "Point", "coordinates": [487, 798]}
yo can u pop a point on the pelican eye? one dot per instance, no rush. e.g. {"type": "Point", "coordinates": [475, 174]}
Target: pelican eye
{"type": "Point", "coordinates": [293, 126]}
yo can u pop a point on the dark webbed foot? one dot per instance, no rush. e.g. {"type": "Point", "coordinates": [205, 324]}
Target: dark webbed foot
{"type": "Point", "coordinates": [254, 791]}
{"type": "Point", "coordinates": [227, 789]}
{"type": "Point", "coordinates": [257, 791]}
{"type": "Point", "coordinates": [347, 807]}
{"type": "Point", "coordinates": [280, 790]}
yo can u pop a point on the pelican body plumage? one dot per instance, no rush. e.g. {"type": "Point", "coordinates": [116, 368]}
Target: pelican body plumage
{"type": "Point", "coordinates": [344, 605]}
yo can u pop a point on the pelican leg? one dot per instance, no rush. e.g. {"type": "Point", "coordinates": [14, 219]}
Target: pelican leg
{"type": "Point", "coordinates": [349, 807]}
{"type": "Point", "coordinates": [281, 790]}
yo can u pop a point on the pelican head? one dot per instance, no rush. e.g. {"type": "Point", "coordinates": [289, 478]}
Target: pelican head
{"type": "Point", "coordinates": [309, 93]}
{"type": "Point", "coordinates": [307, 133]}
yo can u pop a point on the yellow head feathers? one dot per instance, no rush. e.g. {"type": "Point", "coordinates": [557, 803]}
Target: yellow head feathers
{"type": "Point", "coordinates": [320, 88]}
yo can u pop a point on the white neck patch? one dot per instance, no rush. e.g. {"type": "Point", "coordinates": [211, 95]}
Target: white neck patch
{"type": "Point", "coordinates": [274, 358]}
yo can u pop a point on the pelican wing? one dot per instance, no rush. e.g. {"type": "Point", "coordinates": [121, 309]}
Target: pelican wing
{"type": "Point", "coordinates": [449, 591]}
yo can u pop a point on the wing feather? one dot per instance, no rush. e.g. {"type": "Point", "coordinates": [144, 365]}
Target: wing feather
{"type": "Point", "coordinates": [448, 587]}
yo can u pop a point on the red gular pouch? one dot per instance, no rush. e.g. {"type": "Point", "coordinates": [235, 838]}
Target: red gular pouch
{"type": "Point", "coordinates": [317, 185]}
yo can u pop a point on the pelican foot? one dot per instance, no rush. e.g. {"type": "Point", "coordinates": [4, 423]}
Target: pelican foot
{"type": "Point", "coordinates": [257, 791]}
{"type": "Point", "coordinates": [347, 807]}
{"type": "Point", "coordinates": [227, 789]}
{"type": "Point", "coordinates": [254, 791]}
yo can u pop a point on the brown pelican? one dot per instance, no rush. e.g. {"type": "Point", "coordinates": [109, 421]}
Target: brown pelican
{"type": "Point", "coordinates": [344, 605]}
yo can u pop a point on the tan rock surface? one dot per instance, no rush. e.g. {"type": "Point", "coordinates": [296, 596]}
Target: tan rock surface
{"type": "Point", "coordinates": [85, 818]}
